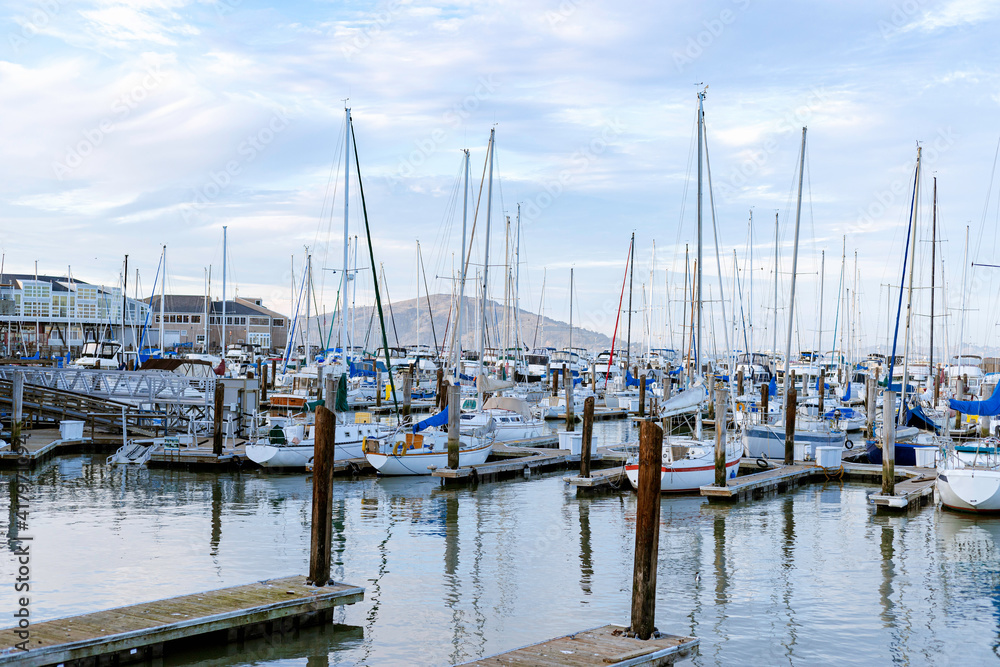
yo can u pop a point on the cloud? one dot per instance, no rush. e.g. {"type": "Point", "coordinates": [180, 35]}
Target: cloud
{"type": "Point", "coordinates": [956, 13]}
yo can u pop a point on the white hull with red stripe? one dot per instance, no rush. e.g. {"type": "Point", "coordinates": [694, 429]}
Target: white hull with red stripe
{"type": "Point", "coordinates": [688, 464]}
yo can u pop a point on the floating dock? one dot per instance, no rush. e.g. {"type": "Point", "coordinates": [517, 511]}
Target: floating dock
{"type": "Point", "coordinates": [914, 485]}
{"type": "Point", "coordinates": [607, 645]}
{"type": "Point", "coordinates": [42, 444]}
{"type": "Point", "coordinates": [609, 479]}
{"type": "Point", "coordinates": [518, 461]}
{"type": "Point", "coordinates": [140, 632]}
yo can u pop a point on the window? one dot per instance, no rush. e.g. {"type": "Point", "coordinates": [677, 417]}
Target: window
{"type": "Point", "coordinates": [278, 322]}
{"type": "Point", "coordinates": [195, 319]}
{"type": "Point", "coordinates": [185, 319]}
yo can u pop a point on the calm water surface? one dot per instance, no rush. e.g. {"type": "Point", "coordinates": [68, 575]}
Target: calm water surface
{"type": "Point", "coordinates": [809, 577]}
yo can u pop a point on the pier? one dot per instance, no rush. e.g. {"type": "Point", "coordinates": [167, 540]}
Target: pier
{"type": "Point", "coordinates": [606, 645]}
{"type": "Point", "coordinates": [517, 461]}
{"type": "Point", "coordinates": [139, 632]}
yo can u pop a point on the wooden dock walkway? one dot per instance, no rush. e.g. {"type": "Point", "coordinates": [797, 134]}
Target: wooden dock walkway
{"type": "Point", "coordinates": [518, 461]}
{"type": "Point", "coordinates": [609, 479]}
{"type": "Point", "coordinates": [603, 646]}
{"type": "Point", "coordinates": [914, 485]}
{"type": "Point", "coordinates": [143, 631]}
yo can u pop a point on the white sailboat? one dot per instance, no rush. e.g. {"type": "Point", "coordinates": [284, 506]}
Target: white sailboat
{"type": "Point", "coordinates": [688, 463]}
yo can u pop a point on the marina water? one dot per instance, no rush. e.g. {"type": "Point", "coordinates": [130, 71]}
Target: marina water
{"type": "Point", "coordinates": [809, 577]}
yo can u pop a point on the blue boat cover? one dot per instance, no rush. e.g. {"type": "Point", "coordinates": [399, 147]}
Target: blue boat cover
{"type": "Point", "coordinates": [845, 413]}
{"type": "Point", "coordinates": [440, 419]}
{"type": "Point", "coordinates": [772, 389]}
{"type": "Point", "coordinates": [989, 407]}
{"type": "Point", "coordinates": [847, 396]}
{"type": "Point", "coordinates": [916, 416]}
{"type": "Point", "coordinates": [632, 382]}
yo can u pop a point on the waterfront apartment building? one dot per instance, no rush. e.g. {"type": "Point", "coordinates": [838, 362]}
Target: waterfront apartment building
{"type": "Point", "coordinates": [52, 315]}
{"type": "Point", "coordinates": [247, 321]}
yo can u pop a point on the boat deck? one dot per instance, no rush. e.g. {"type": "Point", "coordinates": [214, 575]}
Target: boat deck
{"type": "Point", "coordinates": [143, 631]}
{"type": "Point", "coordinates": [606, 645]}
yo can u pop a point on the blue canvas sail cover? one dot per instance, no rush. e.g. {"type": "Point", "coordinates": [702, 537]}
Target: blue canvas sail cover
{"type": "Point", "coordinates": [843, 413]}
{"type": "Point", "coordinates": [632, 382]}
{"type": "Point", "coordinates": [988, 408]}
{"type": "Point", "coordinates": [826, 385]}
{"type": "Point", "coordinates": [847, 396]}
{"type": "Point", "coordinates": [440, 419]}
{"type": "Point", "coordinates": [916, 416]}
{"type": "Point", "coordinates": [772, 389]}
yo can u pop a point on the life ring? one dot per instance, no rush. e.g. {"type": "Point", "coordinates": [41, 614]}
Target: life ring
{"type": "Point", "coordinates": [762, 463]}
{"type": "Point", "coordinates": [848, 444]}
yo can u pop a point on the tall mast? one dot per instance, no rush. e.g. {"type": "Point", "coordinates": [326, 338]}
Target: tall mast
{"type": "Point", "coordinates": [822, 280]}
{"type": "Point", "coordinates": [208, 297]}
{"type": "Point", "coordinates": [417, 278]}
{"type": "Point", "coordinates": [224, 241]}
{"type": "Point", "coordinates": [909, 290]}
{"type": "Point", "coordinates": [795, 264]}
{"type": "Point", "coordinates": [570, 321]}
{"type": "Point", "coordinates": [774, 332]}
{"type": "Point", "coordinates": [163, 297]}
{"type": "Point", "coordinates": [486, 270]}
{"type": "Point", "coordinates": [698, 259]}
{"type": "Point", "coordinates": [631, 275]}
{"type": "Point", "coordinates": [309, 286]}
{"type": "Point", "coordinates": [124, 302]}
{"type": "Point", "coordinates": [457, 345]}
{"type": "Point", "coordinates": [347, 196]}
{"type": "Point", "coordinates": [933, 271]}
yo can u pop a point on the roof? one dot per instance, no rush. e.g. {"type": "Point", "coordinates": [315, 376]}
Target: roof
{"type": "Point", "coordinates": [195, 304]}
{"type": "Point", "coordinates": [58, 283]}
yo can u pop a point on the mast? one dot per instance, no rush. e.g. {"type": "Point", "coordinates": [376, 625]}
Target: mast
{"type": "Point", "coordinates": [961, 325]}
{"type": "Point", "coordinates": [224, 241]}
{"type": "Point", "coordinates": [933, 271]}
{"type": "Point", "coordinates": [795, 263]}
{"type": "Point", "coordinates": [124, 303]}
{"type": "Point", "coordinates": [631, 275]}
{"type": "Point", "coordinates": [698, 259]}
{"type": "Point", "coordinates": [208, 297]}
{"type": "Point", "coordinates": [163, 297]}
{"type": "Point", "coordinates": [347, 192]}
{"type": "Point", "coordinates": [774, 332]}
{"type": "Point", "coordinates": [909, 291]}
{"type": "Point", "coordinates": [486, 271]}
{"type": "Point", "coordinates": [822, 280]}
{"type": "Point", "coordinates": [571, 323]}
{"type": "Point", "coordinates": [417, 279]}
{"type": "Point", "coordinates": [457, 346]}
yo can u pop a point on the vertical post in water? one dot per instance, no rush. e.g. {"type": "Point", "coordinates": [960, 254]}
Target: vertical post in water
{"type": "Point", "coordinates": [18, 411]}
{"type": "Point", "coordinates": [454, 416]}
{"type": "Point", "coordinates": [263, 384]}
{"type": "Point", "coordinates": [555, 381]}
{"type": "Point", "coordinates": [324, 437]}
{"type": "Point", "coordinates": [570, 416]}
{"type": "Point", "coordinates": [822, 390]}
{"type": "Point", "coordinates": [790, 425]}
{"type": "Point", "coordinates": [647, 530]}
{"type": "Point", "coordinates": [220, 398]}
{"type": "Point", "coordinates": [739, 383]}
{"type": "Point", "coordinates": [959, 394]}
{"type": "Point", "coordinates": [642, 395]}
{"type": "Point", "coordinates": [889, 443]}
{"type": "Point", "coordinates": [440, 394]}
{"type": "Point", "coordinates": [720, 437]}
{"type": "Point", "coordinates": [765, 395]}
{"type": "Point", "coordinates": [274, 372]}
{"type": "Point", "coordinates": [378, 386]}
{"type": "Point", "coordinates": [407, 396]}
{"type": "Point", "coordinates": [593, 376]}
{"type": "Point", "coordinates": [937, 384]}
{"type": "Point", "coordinates": [588, 436]}
{"type": "Point", "coordinates": [870, 390]}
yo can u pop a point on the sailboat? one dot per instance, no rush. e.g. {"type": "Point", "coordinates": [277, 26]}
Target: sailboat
{"type": "Point", "coordinates": [969, 476]}
{"type": "Point", "coordinates": [422, 447]}
{"type": "Point", "coordinates": [688, 463]}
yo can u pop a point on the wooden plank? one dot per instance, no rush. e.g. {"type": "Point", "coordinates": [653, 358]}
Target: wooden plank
{"type": "Point", "coordinates": [105, 632]}
{"type": "Point", "coordinates": [606, 645]}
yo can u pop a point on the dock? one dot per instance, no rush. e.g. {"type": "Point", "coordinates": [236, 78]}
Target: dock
{"type": "Point", "coordinates": [606, 645]}
{"type": "Point", "coordinates": [41, 445]}
{"type": "Point", "coordinates": [517, 461]}
{"type": "Point", "coordinates": [914, 485]}
{"type": "Point", "coordinates": [609, 479]}
{"type": "Point", "coordinates": [140, 632]}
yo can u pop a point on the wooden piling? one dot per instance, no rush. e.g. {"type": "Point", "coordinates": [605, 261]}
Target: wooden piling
{"type": "Point", "coordinates": [407, 378]}
{"type": "Point", "coordinates": [765, 395]}
{"type": "Point", "coordinates": [647, 530]}
{"type": "Point", "coordinates": [889, 443]}
{"type": "Point", "coordinates": [822, 390]}
{"type": "Point", "coordinates": [790, 425]}
{"type": "Point", "coordinates": [274, 372]}
{"type": "Point", "coordinates": [324, 438]}
{"type": "Point", "coordinates": [871, 388]}
{"type": "Point", "coordinates": [720, 436]}
{"type": "Point", "coordinates": [960, 395]}
{"type": "Point", "coordinates": [18, 412]}
{"type": "Point", "coordinates": [378, 386]}
{"type": "Point", "coordinates": [568, 383]}
{"type": "Point", "coordinates": [263, 384]}
{"type": "Point", "coordinates": [588, 435]}
{"type": "Point", "coordinates": [593, 376]}
{"type": "Point", "coordinates": [642, 395]}
{"type": "Point", "coordinates": [220, 398]}
{"type": "Point", "coordinates": [739, 383]}
{"type": "Point", "coordinates": [937, 384]}
{"type": "Point", "coordinates": [454, 415]}
{"type": "Point", "coordinates": [555, 382]}
{"type": "Point", "coordinates": [440, 396]}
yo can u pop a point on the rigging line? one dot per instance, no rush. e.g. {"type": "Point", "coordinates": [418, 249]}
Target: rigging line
{"type": "Point", "coordinates": [614, 336]}
{"type": "Point", "coordinates": [392, 318]}
{"type": "Point", "coordinates": [371, 254]}
{"type": "Point", "coordinates": [902, 281]}
{"type": "Point", "coordinates": [334, 178]}
{"type": "Point", "coordinates": [427, 296]}
{"type": "Point", "coordinates": [989, 195]}
{"type": "Point", "coordinates": [475, 214]}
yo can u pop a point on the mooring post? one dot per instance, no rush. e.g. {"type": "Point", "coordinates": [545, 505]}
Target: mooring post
{"type": "Point", "coordinates": [765, 396]}
{"type": "Point", "coordinates": [588, 436]}
{"type": "Point", "coordinates": [378, 386]}
{"type": "Point", "coordinates": [720, 437]}
{"type": "Point", "coordinates": [937, 384]}
{"type": "Point", "coordinates": [871, 388]}
{"type": "Point", "coordinates": [647, 530]}
{"type": "Point", "coordinates": [325, 441]}
{"type": "Point", "coordinates": [18, 411]}
{"type": "Point", "coordinates": [263, 383]}
{"type": "Point", "coordinates": [822, 390]}
{"type": "Point", "coordinates": [555, 381]}
{"type": "Point", "coordinates": [440, 395]}
{"type": "Point", "coordinates": [220, 398]}
{"type": "Point", "coordinates": [454, 416]}
{"type": "Point", "coordinates": [593, 376]}
{"type": "Point", "coordinates": [889, 443]}
{"type": "Point", "coordinates": [959, 394]}
{"type": "Point", "coordinates": [570, 416]}
{"type": "Point", "coordinates": [407, 395]}
{"type": "Point", "coordinates": [642, 395]}
{"type": "Point", "coordinates": [739, 383]}
{"type": "Point", "coordinates": [790, 425]}
{"type": "Point", "coordinates": [274, 372]}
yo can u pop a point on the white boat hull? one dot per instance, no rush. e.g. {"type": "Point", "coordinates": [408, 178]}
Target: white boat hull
{"type": "Point", "coordinates": [769, 441]}
{"type": "Point", "coordinates": [970, 489]}
{"type": "Point", "coordinates": [687, 474]}
{"type": "Point", "coordinates": [297, 456]}
{"type": "Point", "coordinates": [421, 463]}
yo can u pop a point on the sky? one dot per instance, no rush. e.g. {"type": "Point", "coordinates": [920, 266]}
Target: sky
{"type": "Point", "coordinates": [133, 125]}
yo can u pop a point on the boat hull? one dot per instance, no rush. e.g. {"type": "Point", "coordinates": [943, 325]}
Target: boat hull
{"type": "Point", "coordinates": [765, 441]}
{"type": "Point", "coordinates": [686, 475]}
{"type": "Point", "coordinates": [298, 456]}
{"type": "Point", "coordinates": [970, 490]}
{"type": "Point", "coordinates": [421, 463]}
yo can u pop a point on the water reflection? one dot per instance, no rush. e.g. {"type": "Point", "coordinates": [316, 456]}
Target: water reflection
{"type": "Point", "coordinates": [586, 552]}
{"type": "Point", "coordinates": [319, 645]}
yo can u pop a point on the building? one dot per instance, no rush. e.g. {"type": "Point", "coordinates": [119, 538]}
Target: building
{"type": "Point", "coordinates": [184, 323]}
{"type": "Point", "coordinates": [52, 315]}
